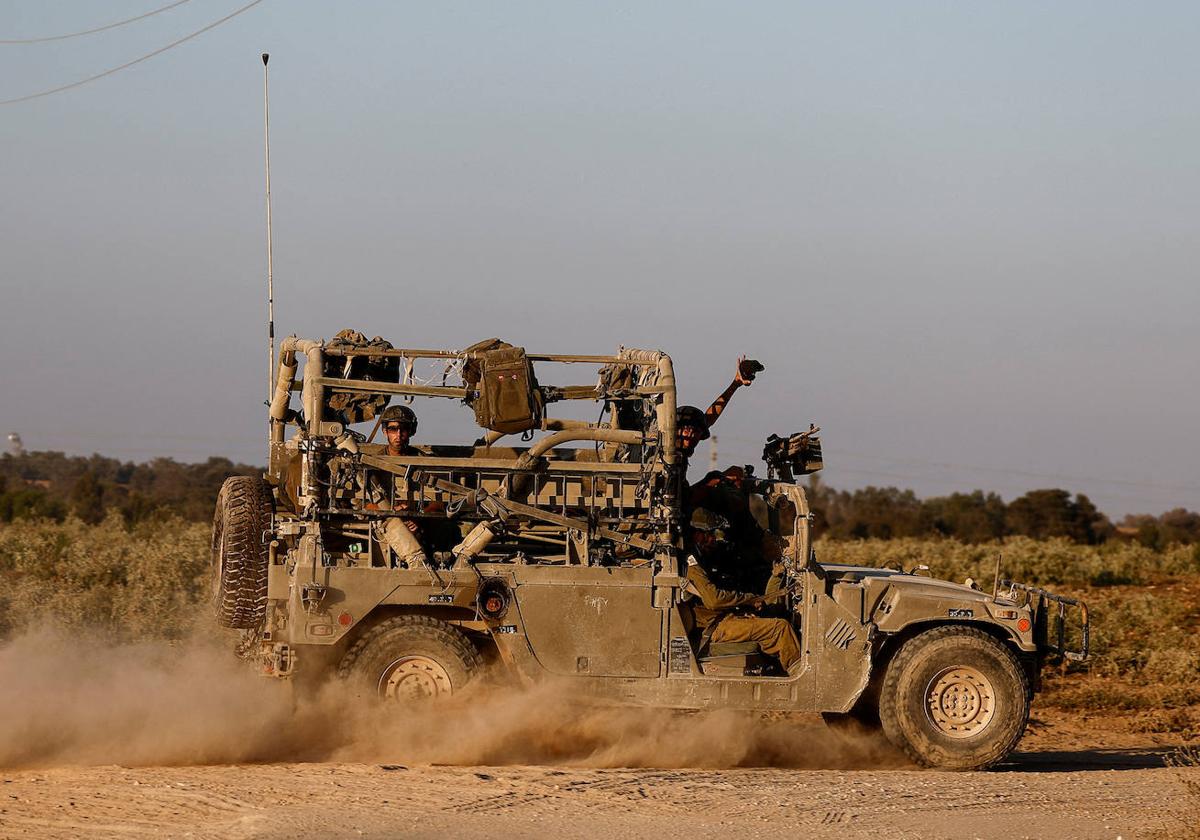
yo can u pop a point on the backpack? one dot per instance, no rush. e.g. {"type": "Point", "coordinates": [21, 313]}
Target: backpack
{"type": "Point", "coordinates": [502, 388]}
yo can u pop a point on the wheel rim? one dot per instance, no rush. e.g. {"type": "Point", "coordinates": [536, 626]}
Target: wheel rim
{"type": "Point", "coordinates": [960, 701]}
{"type": "Point", "coordinates": [412, 678]}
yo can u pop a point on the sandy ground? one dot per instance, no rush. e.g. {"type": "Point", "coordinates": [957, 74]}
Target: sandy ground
{"type": "Point", "coordinates": [1071, 779]}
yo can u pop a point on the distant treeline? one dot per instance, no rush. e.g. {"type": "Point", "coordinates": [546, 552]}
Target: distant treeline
{"type": "Point", "coordinates": [51, 485]}
{"type": "Point", "coordinates": [887, 513]}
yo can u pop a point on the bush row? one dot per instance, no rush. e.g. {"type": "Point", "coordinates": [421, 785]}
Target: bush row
{"type": "Point", "coordinates": [151, 581]}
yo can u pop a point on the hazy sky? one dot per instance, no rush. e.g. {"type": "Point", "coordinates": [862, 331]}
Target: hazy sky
{"type": "Point", "coordinates": [961, 236]}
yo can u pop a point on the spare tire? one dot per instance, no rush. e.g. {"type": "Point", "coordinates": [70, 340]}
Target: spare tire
{"type": "Point", "coordinates": [240, 551]}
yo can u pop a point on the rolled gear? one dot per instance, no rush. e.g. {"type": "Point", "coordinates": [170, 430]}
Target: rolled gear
{"type": "Point", "coordinates": [356, 407]}
{"type": "Point", "coordinates": [395, 535]}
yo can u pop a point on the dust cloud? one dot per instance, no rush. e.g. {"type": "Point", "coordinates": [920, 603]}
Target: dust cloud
{"type": "Point", "coordinates": [72, 701]}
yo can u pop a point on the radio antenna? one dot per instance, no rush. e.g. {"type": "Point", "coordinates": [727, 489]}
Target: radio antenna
{"type": "Point", "coordinates": [270, 255]}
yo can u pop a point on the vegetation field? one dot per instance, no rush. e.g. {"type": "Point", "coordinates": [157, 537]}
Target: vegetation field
{"type": "Point", "coordinates": [1144, 605]}
{"type": "Point", "coordinates": [150, 581]}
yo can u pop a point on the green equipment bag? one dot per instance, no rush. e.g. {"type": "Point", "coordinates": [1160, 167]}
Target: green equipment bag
{"type": "Point", "coordinates": [506, 398]}
{"type": "Point", "coordinates": [358, 406]}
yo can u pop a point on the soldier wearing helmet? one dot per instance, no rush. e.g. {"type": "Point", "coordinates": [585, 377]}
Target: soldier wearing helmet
{"type": "Point", "coordinates": [728, 495]}
{"type": "Point", "coordinates": [692, 424]}
{"type": "Point", "coordinates": [399, 424]}
{"type": "Point", "coordinates": [726, 614]}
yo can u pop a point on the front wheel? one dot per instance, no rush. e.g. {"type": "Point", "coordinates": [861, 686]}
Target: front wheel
{"type": "Point", "coordinates": [954, 698]}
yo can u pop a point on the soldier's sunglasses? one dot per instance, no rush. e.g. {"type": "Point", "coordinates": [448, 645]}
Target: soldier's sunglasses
{"type": "Point", "coordinates": [395, 427]}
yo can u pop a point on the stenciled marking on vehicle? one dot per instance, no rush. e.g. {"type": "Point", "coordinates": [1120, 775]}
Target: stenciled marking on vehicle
{"type": "Point", "coordinates": [444, 598]}
{"type": "Point", "coordinates": [507, 629]}
{"type": "Point", "coordinates": [596, 602]}
{"type": "Point", "coordinates": [681, 655]}
{"type": "Point", "coordinates": [961, 613]}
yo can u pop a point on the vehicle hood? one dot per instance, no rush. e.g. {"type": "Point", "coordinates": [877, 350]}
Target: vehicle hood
{"type": "Point", "coordinates": [910, 582]}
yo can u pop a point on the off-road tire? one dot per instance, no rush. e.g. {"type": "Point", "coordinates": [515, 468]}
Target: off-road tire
{"type": "Point", "coordinates": [240, 551]}
{"type": "Point", "coordinates": [954, 698]}
{"type": "Point", "coordinates": [372, 665]}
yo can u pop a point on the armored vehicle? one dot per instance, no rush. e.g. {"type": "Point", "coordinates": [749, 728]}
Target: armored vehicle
{"type": "Point", "coordinates": [554, 547]}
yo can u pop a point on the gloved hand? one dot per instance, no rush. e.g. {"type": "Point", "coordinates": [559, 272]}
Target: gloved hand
{"type": "Point", "coordinates": [747, 369]}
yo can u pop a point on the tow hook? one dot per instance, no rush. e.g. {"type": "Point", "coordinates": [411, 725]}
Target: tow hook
{"type": "Point", "coordinates": [279, 662]}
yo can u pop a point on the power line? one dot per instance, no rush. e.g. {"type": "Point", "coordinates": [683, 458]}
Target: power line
{"type": "Point", "coordinates": [128, 64]}
{"type": "Point", "coordinates": [92, 31]}
{"type": "Point", "coordinates": [962, 469]}
{"type": "Point", "coordinates": [1158, 497]}
{"type": "Point", "coordinates": [1188, 488]}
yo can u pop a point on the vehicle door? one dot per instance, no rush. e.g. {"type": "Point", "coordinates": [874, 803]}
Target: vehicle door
{"type": "Point", "coordinates": [589, 620]}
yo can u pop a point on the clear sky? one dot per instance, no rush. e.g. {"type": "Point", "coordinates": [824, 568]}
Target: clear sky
{"type": "Point", "coordinates": [961, 236]}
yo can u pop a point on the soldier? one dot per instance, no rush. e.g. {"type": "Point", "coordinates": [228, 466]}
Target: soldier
{"type": "Point", "coordinates": [726, 614]}
{"type": "Point", "coordinates": [727, 494]}
{"type": "Point", "coordinates": [399, 425]}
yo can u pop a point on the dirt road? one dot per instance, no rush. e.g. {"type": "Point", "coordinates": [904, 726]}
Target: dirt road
{"type": "Point", "coordinates": [99, 740]}
{"type": "Point", "coordinates": [1061, 794]}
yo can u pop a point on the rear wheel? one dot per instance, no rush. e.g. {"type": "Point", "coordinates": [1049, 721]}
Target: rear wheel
{"type": "Point", "coordinates": [408, 658]}
{"type": "Point", "coordinates": [240, 553]}
{"type": "Point", "coordinates": [954, 698]}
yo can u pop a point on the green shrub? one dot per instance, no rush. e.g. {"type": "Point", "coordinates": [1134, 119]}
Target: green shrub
{"type": "Point", "coordinates": [1053, 562]}
{"type": "Point", "coordinates": [139, 582]}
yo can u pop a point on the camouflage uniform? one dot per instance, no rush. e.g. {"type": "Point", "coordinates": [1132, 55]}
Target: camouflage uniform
{"type": "Point", "coordinates": [775, 636]}
{"type": "Point", "coordinates": [429, 535]}
{"type": "Point", "coordinates": [757, 549]}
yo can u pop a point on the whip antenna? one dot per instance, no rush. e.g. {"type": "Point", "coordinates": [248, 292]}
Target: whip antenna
{"type": "Point", "coordinates": [270, 256]}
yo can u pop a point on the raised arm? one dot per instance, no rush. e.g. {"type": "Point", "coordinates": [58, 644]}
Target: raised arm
{"type": "Point", "coordinates": [744, 375]}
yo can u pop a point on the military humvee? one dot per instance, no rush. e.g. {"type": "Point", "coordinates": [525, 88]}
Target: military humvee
{"type": "Point", "coordinates": [564, 559]}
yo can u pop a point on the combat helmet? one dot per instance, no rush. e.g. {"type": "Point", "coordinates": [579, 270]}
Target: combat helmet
{"type": "Point", "coordinates": [704, 519]}
{"type": "Point", "coordinates": [689, 415]}
{"type": "Point", "coordinates": [401, 414]}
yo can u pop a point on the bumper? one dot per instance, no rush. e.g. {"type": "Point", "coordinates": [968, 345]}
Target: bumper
{"type": "Point", "coordinates": [1054, 615]}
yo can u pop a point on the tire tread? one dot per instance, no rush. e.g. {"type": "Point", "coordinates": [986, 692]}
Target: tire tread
{"type": "Point", "coordinates": [416, 626]}
{"type": "Point", "coordinates": [240, 556]}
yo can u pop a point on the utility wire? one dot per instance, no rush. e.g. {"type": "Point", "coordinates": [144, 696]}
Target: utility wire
{"type": "Point", "coordinates": [1187, 488]}
{"type": "Point", "coordinates": [973, 468]}
{"type": "Point", "coordinates": [128, 64]}
{"type": "Point", "coordinates": [92, 31]}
